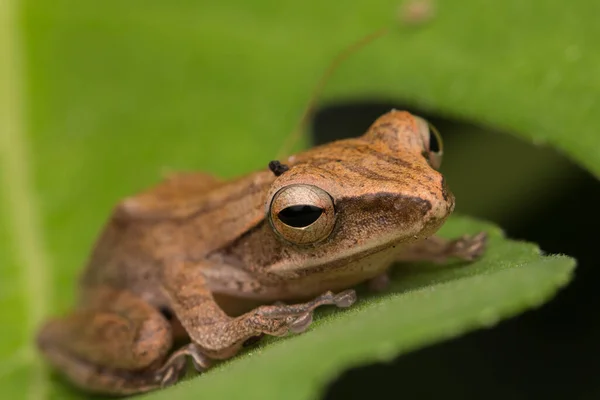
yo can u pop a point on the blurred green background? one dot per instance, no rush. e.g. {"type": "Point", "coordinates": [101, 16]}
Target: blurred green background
{"type": "Point", "coordinates": [108, 94]}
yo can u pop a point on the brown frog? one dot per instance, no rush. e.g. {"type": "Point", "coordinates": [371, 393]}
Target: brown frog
{"type": "Point", "coordinates": [190, 254]}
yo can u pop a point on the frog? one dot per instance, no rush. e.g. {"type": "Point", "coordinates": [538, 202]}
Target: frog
{"type": "Point", "coordinates": [195, 267]}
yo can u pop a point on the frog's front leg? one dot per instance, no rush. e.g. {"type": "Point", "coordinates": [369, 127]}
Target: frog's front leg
{"type": "Point", "coordinates": [220, 336]}
{"type": "Point", "coordinates": [438, 250]}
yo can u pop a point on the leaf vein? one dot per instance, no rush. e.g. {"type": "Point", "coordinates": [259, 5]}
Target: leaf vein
{"type": "Point", "coordinates": [21, 208]}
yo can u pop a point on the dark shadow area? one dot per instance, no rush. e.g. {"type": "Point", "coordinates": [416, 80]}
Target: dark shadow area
{"type": "Point", "coordinates": [533, 194]}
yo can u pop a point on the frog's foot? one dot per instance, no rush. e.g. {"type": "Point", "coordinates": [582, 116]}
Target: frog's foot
{"type": "Point", "coordinates": [280, 319]}
{"type": "Point", "coordinates": [175, 367]}
{"type": "Point", "coordinates": [468, 248]}
{"type": "Point", "coordinates": [438, 250]}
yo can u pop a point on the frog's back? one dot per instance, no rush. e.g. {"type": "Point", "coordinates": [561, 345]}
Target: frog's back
{"type": "Point", "coordinates": [185, 217]}
{"type": "Point", "coordinates": [128, 252]}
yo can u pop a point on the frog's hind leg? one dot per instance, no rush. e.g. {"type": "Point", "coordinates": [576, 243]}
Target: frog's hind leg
{"type": "Point", "coordinates": [117, 345]}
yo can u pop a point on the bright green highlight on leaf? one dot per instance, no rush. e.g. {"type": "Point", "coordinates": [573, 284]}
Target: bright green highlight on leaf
{"type": "Point", "coordinates": [96, 98]}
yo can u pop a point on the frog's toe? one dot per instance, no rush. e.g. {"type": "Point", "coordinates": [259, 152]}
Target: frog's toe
{"type": "Point", "coordinates": [301, 323]}
{"type": "Point", "coordinates": [175, 367]}
{"type": "Point", "coordinates": [172, 374]}
{"type": "Point", "coordinates": [345, 299]}
{"type": "Point", "coordinates": [470, 248]}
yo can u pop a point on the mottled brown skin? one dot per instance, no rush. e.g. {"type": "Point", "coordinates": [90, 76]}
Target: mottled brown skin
{"type": "Point", "coordinates": [202, 250]}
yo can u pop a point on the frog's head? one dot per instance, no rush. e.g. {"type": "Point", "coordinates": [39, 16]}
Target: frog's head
{"type": "Point", "coordinates": [382, 188]}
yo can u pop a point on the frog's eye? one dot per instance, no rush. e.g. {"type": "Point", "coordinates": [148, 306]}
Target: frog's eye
{"type": "Point", "coordinates": [302, 214]}
{"type": "Point", "coordinates": [435, 146]}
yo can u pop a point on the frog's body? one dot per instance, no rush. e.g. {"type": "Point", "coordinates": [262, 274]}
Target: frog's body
{"type": "Point", "coordinates": [340, 214]}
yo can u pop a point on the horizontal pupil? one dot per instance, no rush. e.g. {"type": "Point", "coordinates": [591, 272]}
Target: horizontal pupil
{"type": "Point", "coordinates": [300, 216]}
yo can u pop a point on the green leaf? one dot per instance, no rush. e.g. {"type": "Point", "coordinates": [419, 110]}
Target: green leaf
{"type": "Point", "coordinates": [424, 305]}
{"type": "Point", "coordinates": [96, 98]}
